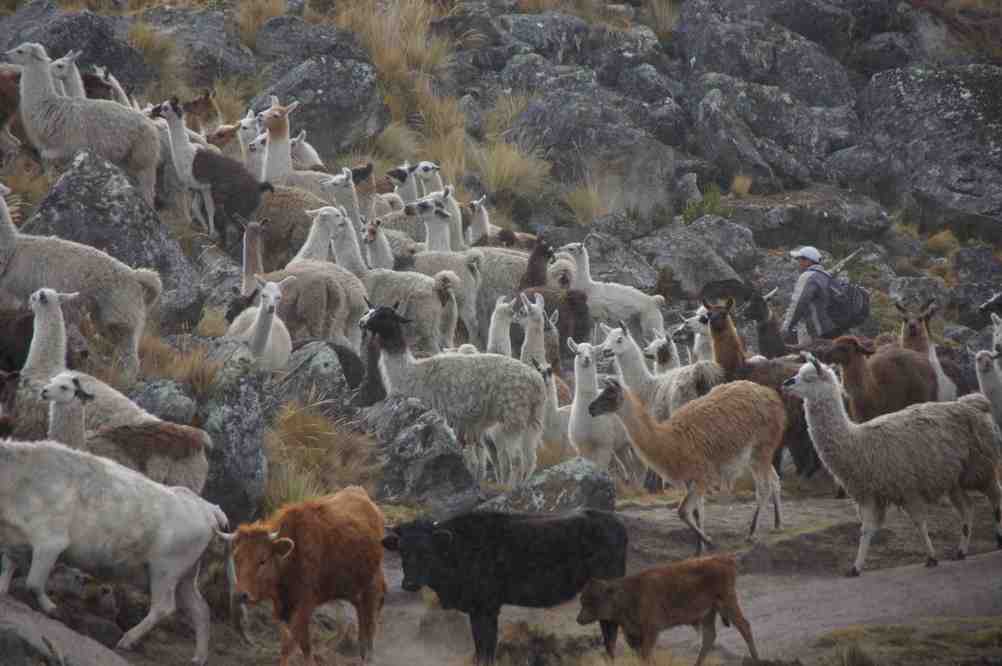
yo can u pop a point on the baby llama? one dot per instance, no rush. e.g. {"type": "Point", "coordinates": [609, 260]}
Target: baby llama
{"type": "Point", "coordinates": [262, 329]}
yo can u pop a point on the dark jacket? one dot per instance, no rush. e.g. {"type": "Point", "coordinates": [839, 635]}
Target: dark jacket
{"type": "Point", "coordinates": [809, 303]}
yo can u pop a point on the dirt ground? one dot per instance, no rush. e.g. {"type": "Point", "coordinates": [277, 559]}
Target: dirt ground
{"type": "Point", "coordinates": [792, 587]}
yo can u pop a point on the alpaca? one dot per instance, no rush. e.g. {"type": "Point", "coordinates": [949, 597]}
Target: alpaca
{"type": "Point", "coordinates": [662, 353]}
{"type": "Point", "coordinates": [277, 167]}
{"type": "Point", "coordinates": [990, 381]}
{"type": "Point", "coordinates": [476, 393]}
{"type": "Point", "coordinates": [760, 310]}
{"type": "Point", "coordinates": [915, 335]}
{"type": "Point", "coordinates": [499, 338]}
{"type": "Point", "coordinates": [165, 452]}
{"type": "Point", "coordinates": [710, 440]}
{"type": "Point", "coordinates": [595, 438]}
{"type": "Point", "coordinates": [263, 330]}
{"type": "Point", "coordinates": [611, 301]}
{"type": "Point", "coordinates": [60, 126]}
{"type": "Point", "coordinates": [909, 458]}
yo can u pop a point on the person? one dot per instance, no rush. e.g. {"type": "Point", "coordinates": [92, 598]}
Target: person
{"type": "Point", "coordinates": [809, 303]}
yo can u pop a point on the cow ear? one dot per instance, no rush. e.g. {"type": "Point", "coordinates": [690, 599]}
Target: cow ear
{"type": "Point", "coordinates": [443, 538]}
{"type": "Point", "coordinates": [391, 541]}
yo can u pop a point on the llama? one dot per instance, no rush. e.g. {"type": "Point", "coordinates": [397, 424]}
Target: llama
{"type": "Point", "coordinates": [611, 301]}
{"type": "Point", "coordinates": [908, 458]}
{"type": "Point", "coordinates": [379, 251]}
{"type": "Point", "coordinates": [990, 381]}
{"type": "Point", "coordinates": [277, 167]}
{"type": "Point", "coordinates": [407, 186]}
{"type": "Point", "coordinates": [200, 111]}
{"type": "Point", "coordinates": [536, 324]}
{"type": "Point", "coordinates": [60, 126]}
{"type": "Point", "coordinates": [482, 232]}
{"type": "Point", "coordinates": [595, 438]}
{"type": "Point", "coordinates": [263, 330]}
{"type": "Point", "coordinates": [499, 275]}
{"type": "Point", "coordinates": [304, 156]}
{"type": "Point", "coordinates": [64, 70]}
{"type": "Point", "coordinates": [476, 393]}
{"type": "Point", "coordinates": [662, 353]}
{"type": "Point", "coordinates": [466, 265]}
{"type": "Point", "coordinates": [760, 310]}
{"type": "Point", "coordinates": [499, 337]}
{"type": "Point", "coordinates": [710, 440]}
{"type": "Point", "coordinates": [915, 335]}
{"type": "Point", "coordinates": [165, 452]}
{"type": "Point", "coordinates": [118, 92]}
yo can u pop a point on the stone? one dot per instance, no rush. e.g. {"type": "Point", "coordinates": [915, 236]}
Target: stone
{"type": "Point", "coordinates": [914, 292]}
{"type": "Point", "coordinates": [165, 399]}
{"type": "Point", "coordinates": [232, 416]}
{"type": "Point", "coordinates": [734, 242]}
{"type": "Point", "coordinates": [690, 265]}
{"type": "Point", "coordinates": [94, 203]}
{"type": "Point", "coordinates": [556, 36]}
{"type": "Point", "coordinates": [623, 226]}
{"type": "Point", "coordinates": [340, 104]}
{"type": "Point", "coordinates": [285, 41]}
{"type": "Point", "coordinates": [313, 376]}
{"type": "Point", "coordinates": [887, 50]}
{"type": "Point", "coordinates": [611, 260]}
{"type": "Point", "coordinates": [688, 189]}
{"type": "Point", "coordinates": [976, 263]}
{"type": "Point", "coordinates": [422, 459]}
{"type": "Point", "coordinates": [21, 640]}
{"type": "Point", "coordinates": [573, 484]}
{"type": "Point", "coordinates": [964, 299]}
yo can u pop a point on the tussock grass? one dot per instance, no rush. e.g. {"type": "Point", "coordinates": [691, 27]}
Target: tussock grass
{"type": "Point", "coordinates": [252, 14]}
{"type": "Point", "coordinates": [397, 143]}
{"type": "Point", "coordinates": [585, 200]}
{"type": "Point", "coordinates": [160, 51]}
{"type": "Point", "coordinates": [158, 360]}
{"type": "Point", "coordinates": [232, 96]}
{"type": "Point", "coordinates": [502, 116]}
{"type": "Point", "coordinates": [29, 185]}
{"type": "Point", "coordinates": [213, 323]}
{"type": "Point", "coordinates": [508, 168]}
{"type": "Point", "coordinates": [319, 11]}
{"type": "Point", "coordinates": [944, 243]}
{"type": "Point", "coordinates": [741, 185]}
{"type": "Point", "coordinates": [310, 454]}
{"type": "Point", "coordinates": [10, 6]}
{"type": "Point", "coordinates": [662, 16]}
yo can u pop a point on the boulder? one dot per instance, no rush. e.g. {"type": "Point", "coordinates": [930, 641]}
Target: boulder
{"type": "Point", "coordinates": [469, 17]}
{"type": "Point", "coordinates": [422, 460]}
{"type": "Point", "coordinates": [976, 263]}
{"type": "Point", "coordinates": [313, 376]}
{"type": "Point", "coordinates": [932, 140]}
{"type": "Point", "coordinates": [964, 300]}
{"type": "Point", "coordinates": [94, 203]}
{"type": "Point", "coordinates": [577, 483]}
{"type": "Point", "coordinates": [691, 267]}
{"type": "Point", "coordinates": [220, 276]}
{"type": "Point", "coordinates": [556, 36]}
{"type": "Point", "coordinates": [340, 104]}
{"type": "Point", "coordinates": [764, 132]}
{"type": "Point", "coordinates": [623, 226]}
{"type": "Point", "coordinates": [820, 215]}
{"type": "Point", "coordinates": [734, 242]}
{"type": "Point", "coordinates": [887, 50]}
{"type": "Point", "coordinates": [611, 260]}
{"type": "Point", "coordinates": [285, 41]}
{"type": "Point", "coordinates": [914, 292]}
{"type": "Point", "coordinates": [165, 399]}
{"type": "Point", "coordinates": [232, 416]}
{"type": "Point", "coordinates": [207, 41]}
{"type": "Point", "coordinates": [24, 633]}
{"type": "Point", "coordinates": [99, 37]}
{"type": "Point", "coordinates": [760, 51]}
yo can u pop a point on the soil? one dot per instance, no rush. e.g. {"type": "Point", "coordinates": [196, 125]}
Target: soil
{"type": "Point", "coordinates": [792, 587]}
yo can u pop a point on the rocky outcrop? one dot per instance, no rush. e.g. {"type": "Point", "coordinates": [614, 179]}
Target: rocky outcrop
{"type": "Point", "coordinates": [573, 484]}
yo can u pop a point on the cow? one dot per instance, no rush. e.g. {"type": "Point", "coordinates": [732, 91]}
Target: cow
{"type": "Point", "coordinates": [308, 553]}
{"type": "Point", "coordinates": [108, 520]}
{"type": "Point", "coordinates": [689, 592]}
{"type": "Point", "coordinates": [480, 561]}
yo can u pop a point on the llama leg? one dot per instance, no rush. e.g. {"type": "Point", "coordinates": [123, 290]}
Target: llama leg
{"type": "Point", "coordinates": [763, 491]}
{"type": "Point", "coordinates": [43, 558]}
{"type": "Point", "coordinates": [962, 503]}
{"type": "Point", "coordinates": [916, 510]}
{"type": "Point", "coordinates": [191, 602]}
{"type": "Point", "coordinates": [195, 207]}
{"type": "Point", "coordinates": [777, 503]}
{"type": "Point", "coordinates": [7, 568]}
{"type": "Point", "coordinates": [709, 636]}
{"type": "Point", "coordinates": [870, 515]}
{"type": "Point", "coordinates": [530, 444]}
{"type": "Point", "coordinates": [210, 212]}
{"type": "Point", "coordinates": [685, 511]}
{"type": "Point", "coordinates": [147, 181]}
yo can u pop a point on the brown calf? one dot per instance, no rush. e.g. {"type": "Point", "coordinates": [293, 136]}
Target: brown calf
{"type": "Point", "coordinates": [689, 592]}
{"type": "Point", "coordinates": [312, 552]}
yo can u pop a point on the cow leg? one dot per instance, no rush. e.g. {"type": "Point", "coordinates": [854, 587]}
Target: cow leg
{"type": "Point", "coordinates": [163, 583]}
{"type": "Point", "coordinates": [709, 636]}
{"type": "Point", "coordinates": [368, 610]}
{"type": "Point", "coordinates": [732, 613]}
{"type": "Point", "coordinates": [43, 558]}
{"type": "Point", "coordinates": [288, 644]}
{"type": "Point", "coordinates": [610, 631]}
{"type": "Point", "coordinates": [485, 638]}
{"type": "Point", "coordinates": [299, 627]}
{"type": "Point", "coordinates": [190, 600]}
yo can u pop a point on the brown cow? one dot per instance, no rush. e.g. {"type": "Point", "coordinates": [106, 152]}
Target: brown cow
{"type": "Point", "coordinates": [312, 552]}
{"type": "Point", "coordinates": [689, 592]}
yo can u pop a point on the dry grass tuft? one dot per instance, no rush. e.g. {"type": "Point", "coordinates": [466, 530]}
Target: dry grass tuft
{"type": "Point", "coordinates": [585, 200]}
{"type": "Point", "coordinates": [213, 323]}
{"type": "Point", "coordinates": [551, 454]}
{"type": "Point", "coordinates": [160, 51]}
{"type": "Point", "coordinates": [29, 185]}
{"type": "Point", "coordinates": [741, 185]}
{"type": "Point", "coordinates": [10, 6]}
{"type": "Point", "coordinates": [319, 11]}
{"type": "Point", "coordinates": [397, 143]}
{"type": "Point", "coordinates": [662, 16]}
{"type": "Point", "coordinates": [252, 14]}
{"type": "Point", "coordinates": [158, 360]}
{"type": "Point", "coordinates": [501, 118]}
{"type": "Point", "coordinates": [232, 97]}
{"type": "Point", "coordinates": [310, 455]}
{"type": "Point", "coordinates": [944, 243]}
{"type": "Point", "coordinates": [508, 168]}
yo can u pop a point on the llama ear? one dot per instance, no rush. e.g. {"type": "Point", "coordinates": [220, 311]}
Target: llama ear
{"type": "Point", "coordinates": [292, 107]}
{"type": "Point", "coordinates": [624, 328]}
{"type": "Point", "coordinates": [554, 317]}
{"type": "Point", "coordinates": [605, 328]}
{"type": "Point", "coordinates": [314, 212]}
{"type": "Point", "coordinates": [573, 346]}
{"type": "Point", "coordinates": [260, 282]}
{"type": "Point", "coordinates": [274, 100]}
{"type": "Point", "coordinates": [729, 303]}
{"type": "Point", "coordinates": [301, 136]}
{"type": "Point", "coordinates": [289, 279]}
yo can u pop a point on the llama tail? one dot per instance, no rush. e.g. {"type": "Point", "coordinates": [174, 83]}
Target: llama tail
{"type": "Point", "coordinates": [151, 284]}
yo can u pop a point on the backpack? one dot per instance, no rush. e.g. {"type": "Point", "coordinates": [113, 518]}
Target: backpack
{"type": "Point", "coordinates": [848, 303]}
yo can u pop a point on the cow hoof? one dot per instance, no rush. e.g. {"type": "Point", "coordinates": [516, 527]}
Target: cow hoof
{"type": "Point", "coordinates": [853, 572]}
{"type": "Point", "coordinates": [931, 562]}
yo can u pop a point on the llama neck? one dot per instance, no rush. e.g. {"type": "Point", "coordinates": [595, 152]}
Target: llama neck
{"type": "Point", "coordinates": [348, 254]}
{"type": "Point", "coordinates": [770, 338]}
{"type": "Point", "coordinates": [181, 148]}
{"type": "Point", "coordinates": [47, 353]}
{"type": "Point", "coordinates": [253, 264]}
{"type": "Point", "coordinates": [408, 190]}
{"type": "Point", "coordinates": [481, 226]}
{"type": "Point", "coordinates": [438, 237]}
{"type": "Point", "coordinates": [919, 343]}
{"type": "Point", "coordinates": [636, 375]}
{"type": "Point", "coordinates": [317, 246]}
{"type": "Point", "coordinates": [434, 183]}
{"type": "Point", "coordinates": [641, 427]}
{"type": "Point", "coordinates": [582, 277]}
{"type": "Point", "coordinates": [585, 385]}
{"type": "Point", "coordinates": [277, 155]}
{"type": "Point", "coordinates": [119, 92]}
{"type": "Point", "coordinates": [261, 331]}
{"type": "Point", "coordinates": [37, 84]}
{"type": "Point", "coordinates": [829, 426]}
{"type": "Point", "coordinates": [66, 424]}
{"type": "Point", "coordinates": [702, 347]}
{"type": "Point", "coordinates": [534, 345]}
{"type": "Point", "coordinates": [728, 349]}
{"type": "Point", "coordinates": [499, 335]}
{"type": "Point", "coordinates": [397, 367]}
{"type": "Point", "coordinates": [535, 272]}
{"type": "Point", "coordinates": [73, 83]}
{"type": "Point", "coordinates": [456, 239]}
{"type": "Point", "coordinates": [551, 412]}
{"type": "Point", "coordinates": [349, 199]}
{"type": "Point", "coordinates": [380, 251]}
{"type": "Point", "coordinates": [855, 377]}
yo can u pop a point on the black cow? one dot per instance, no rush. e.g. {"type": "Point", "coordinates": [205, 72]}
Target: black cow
{"type": "Point", "coordinates": [478, 562]}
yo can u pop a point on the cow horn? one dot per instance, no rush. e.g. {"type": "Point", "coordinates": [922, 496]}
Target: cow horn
{"type": "Point", "coordinates": [228, 537]}
{"type": "Point", "coordinates": [273, 535]}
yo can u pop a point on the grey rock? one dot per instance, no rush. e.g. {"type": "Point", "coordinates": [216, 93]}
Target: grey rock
{"type": "Point", "coordinates": [764, 132]}
{"type": "Point", "coordinates": [207, 41]}
{"type": "Point", "coordinates": [887, 50]}
{"type": "Point", "coordinates": [693, 269]}
{"type": "Point", "coordinates": [423, 461]}
{"type": "Point", "coordinates": [232, 416]}
{"type": "Point", "coordinates": [557, 36]}
{"type": "Point", "coordinates": [613, 261]}
{"type": "Point", "coordinates": [820, 215]}
{"type": "Point", "coordinates": [933, 142]}
{"type": "Point", "coordinates": [340, 102]}
{"type": "Point", "coordinates": [220, 276]}
{"type": "Point", "coordinates": [976, 263]}
{"type": "Point", "coordinates": [22, 645]}
{"type": "Point", "coordinates": [688, 189]}
{"type": "Point", "coordinates": [59, 32]}
{"type": "Point", "coordinates": [760, 51]}
{"type": "Point", "coordinates": [285, 41]}
{"type": "Point", "coordinates": [901, 244]}
{"type": "Point", "coordinates": [467, 18]}
{"type": "Point", "coordinates": [914, 292]}
{"type": "Point", "coordinates": [965, 298]}
{"type": "Point", "coordinates": [95, 203]}
{"type": "Point", "coordinates": [166, 399]}
{"type": "Point", "coordinates": [734, 242]}
{"type": "Point", "coordinates": [623, 226]}
{"type": "Point", "coordinates": [313, 376]}
{"type": "Point", "coordinates": [573, 484]}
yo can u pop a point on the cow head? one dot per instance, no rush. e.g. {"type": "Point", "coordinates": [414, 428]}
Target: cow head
{"type": "Point", "coordinates": [424, 548]}
{"type": "Point", "coordinates": [260, 557]}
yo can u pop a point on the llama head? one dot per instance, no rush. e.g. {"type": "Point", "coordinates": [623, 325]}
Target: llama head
{"type": "Point", "coordinates": [247, 128]}
{"type": "Point", "coordinates": [223, 135]}
{"type": "Point", "coordinates": [426, 170]}
{"type": "Point", "coordinates": [584, 355]}
{"type": "Point", "coordinates": [361, 173]}
{"type": "Point", "coordinates": [661, 350]}
{"type": "Point", "coordinates": [170, 110]}
{"type": "Point", "coordinates": [758, 306]}
{"type": "Point", "coordinates": [203, 106]}
{"type": "Point", "coordinates": [618, 341]}
{"type": "Point", "coordinates": [717, 317]}
{"type": "Point", "coordinates": [609, 400]}
{"type": "Point", "coordinates": [342, 183]}
{"type": "Point", "coordinates": [577, 251]}
{"type": "Point", "coordinates": [334, 219]}
{"type": "Point", "coordinates": [47, 300]}
{"type": "Point", "coordinates": [915, 326]}
{"type": "Point", "coordinates": [401, 173]}
{"type": "Point", "coordinates": [504, 309]}
{"type": "Point", "coordinates": [383, 320]}
{"type": "Point", "coordinates": [697, 323]}
{"type": "Point", "coordinates": [372, 230]}
{"type": "Point", "coordinates": [531, 311]}
{"type": "Point", "coordinates": [66, 387]}
{"type": "Point", "coordinates": [847, 348]}
{"type": "Point", "coordinates": [814, 380]}
{"type": "Point", "coordinates": [984, 361]}
{"type": "Point", "coordinates": [64, 67]}
{"type": "Point", "coordinates": [433, 204]}
{"type": "Point", "coordinates": [271, 292]}
{"type": "Point", "coordinates": [28, 53]}
{"type": "Point", "coordinates": [275, 119]}
{"type": "Point", "coordinates": [546, 372]}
